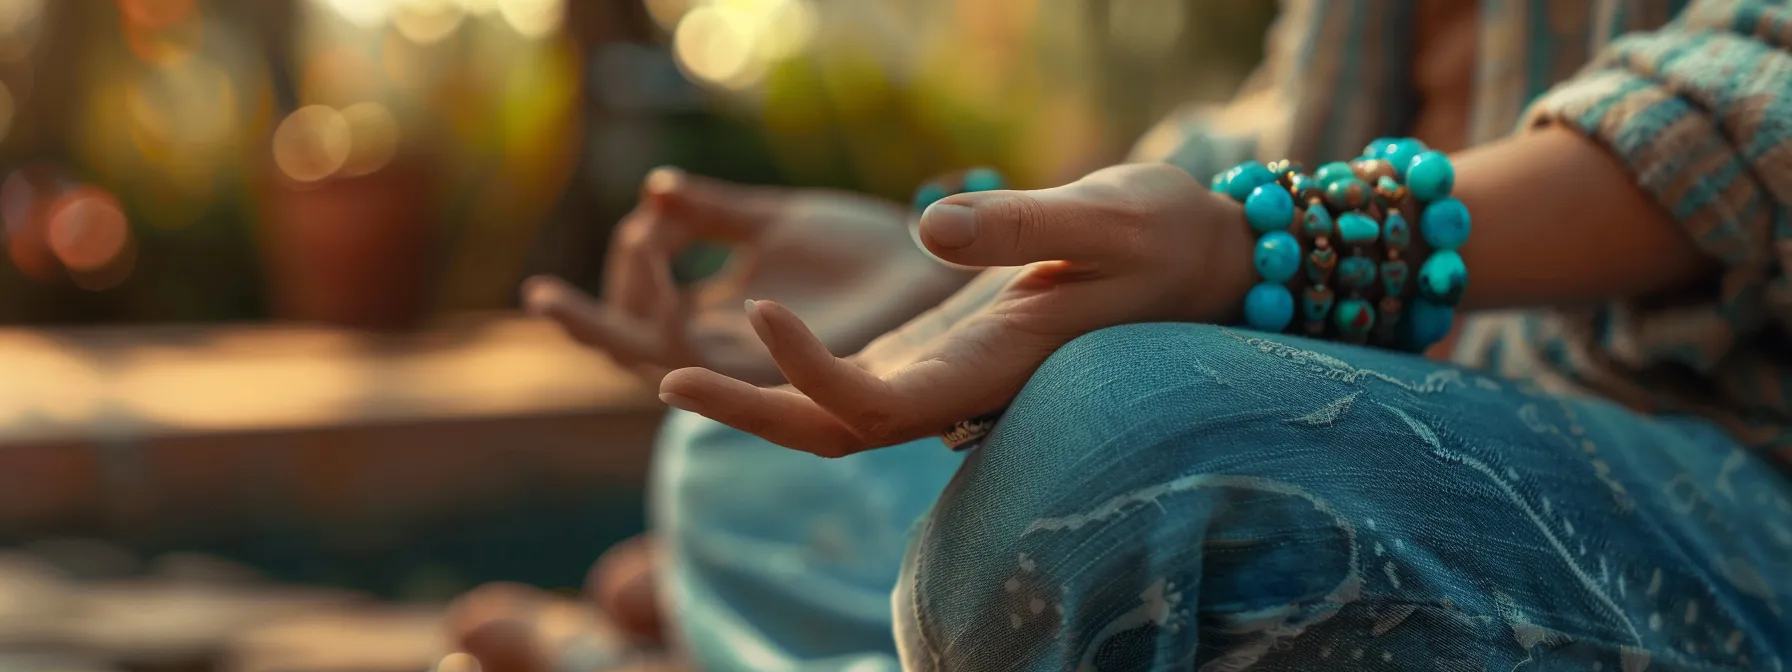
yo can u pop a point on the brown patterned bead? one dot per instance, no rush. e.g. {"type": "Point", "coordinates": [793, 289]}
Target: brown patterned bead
{"type": "Point", "coordinates": [1390, 318]}
{"type": "Point", "coordinates": [1390, 193]}
{"type": "Point", "coordinates": [1320, 264]}
{"type": "Point", "coordinates": [1370, 171]}
{"type": "Point", "coordinates": [1347, 194]}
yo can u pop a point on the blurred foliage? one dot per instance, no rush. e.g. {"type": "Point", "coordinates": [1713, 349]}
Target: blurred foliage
{"type": "Point", "coordinates": [371, 162]}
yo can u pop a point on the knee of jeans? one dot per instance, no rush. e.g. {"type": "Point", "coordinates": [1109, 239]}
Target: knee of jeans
{"type": "Point", "coordinates": [1141, 482]}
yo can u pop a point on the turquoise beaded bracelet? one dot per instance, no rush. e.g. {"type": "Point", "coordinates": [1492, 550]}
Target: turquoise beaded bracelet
{"type": "Point", "coordinates": [1363, 206]}
{"type": "Point", "coordinates": [970, 181]}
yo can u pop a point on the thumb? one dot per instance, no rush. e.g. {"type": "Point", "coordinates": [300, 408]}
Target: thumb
{"type": "Point", "coordinates": [709, 207]}
{"type": "Point", "coordinates": [1082, 222]}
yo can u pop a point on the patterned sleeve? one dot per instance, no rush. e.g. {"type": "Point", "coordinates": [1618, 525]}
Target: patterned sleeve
{"type": "Point", "coordinates": [1335, 74]}
{"type": "Point", "coordinates": [1701, 111]}
{"type": "Point", "coordinates": [1207, 138]}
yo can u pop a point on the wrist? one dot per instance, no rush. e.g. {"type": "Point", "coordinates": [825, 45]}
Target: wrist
{"type": "Point", "coordinates": [1334, 250]}
{"type": "Point", "coordinates": [1222, 268]}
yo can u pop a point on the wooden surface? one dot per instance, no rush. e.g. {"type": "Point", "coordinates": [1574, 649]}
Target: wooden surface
{"type": "Point", "coordinates": [196, 433]}
{"type": "Point", "coordinates": [102, 384]}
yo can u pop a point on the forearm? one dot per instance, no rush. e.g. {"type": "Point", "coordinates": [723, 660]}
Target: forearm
{"type": "Point", "coordinates": [1558, 220]}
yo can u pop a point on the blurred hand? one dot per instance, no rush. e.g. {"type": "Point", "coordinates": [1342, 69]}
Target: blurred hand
{"type": "Point", "coordinates": [847, 261]}
{"type": "Point", "coordinates": [1139, 243]}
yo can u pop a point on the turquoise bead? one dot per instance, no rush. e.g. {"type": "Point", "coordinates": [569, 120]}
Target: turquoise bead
{"type": "Point", "coordinates": [1424, 324]}
{"type": "Point", "coordinates": [1317, 222]}
{"type": "Point", "coordinates": [983, 179]}
{"type": "Point", "coordinates": [1431, 177]}
{"type": "Point", "coordinates": [1357, 229]}
{"type": "Point", "coordinates": [1269, 307]}
{"type": "Point", "coordinates": [1356, 273]}
{"type": "Point", "coordinates": [1395, 231]}
{"type": "Point", "coordinates": [1393, 277]}
{"type": "Point", "coordinates": [1278, 256]}
{"type": "Point", "coordinates": [1305, 187]}
{"type": "Point", "coordinates": [1378, 148]}
{"type": "Point", "coordinates": [927, 195]}
{"type": "Point", "coordinates": [1321, 264]}
{"type": "Point", "coordinates": [1354, 317]}
{"type": "Point", "coordinates": [1443, 278]}
{"type": "Point", "coordinates": [1218, 181]}
{"type": "Point", "coordinates": [1334, 171]}
{"type": "Point", "coordinates": [1269, 208]}
{"type": "Point", "coordinates": [1445, 224]}
{"type": "Point", "coordinates": [1316, 303]}
{"type": "Point", "coordinates": [1347, 193]}
{"type": "Point", "coordinates": [1245, 178]}
{"type": "Point", "coordinates": [1401, 153]}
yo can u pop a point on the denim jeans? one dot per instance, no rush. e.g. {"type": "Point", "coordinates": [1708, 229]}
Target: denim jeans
{"type": "Point", "coordinates": [1190, 497]}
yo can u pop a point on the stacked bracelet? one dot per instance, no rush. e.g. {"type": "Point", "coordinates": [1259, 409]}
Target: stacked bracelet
{"type": "Point", "coordinates": [1349, 226]}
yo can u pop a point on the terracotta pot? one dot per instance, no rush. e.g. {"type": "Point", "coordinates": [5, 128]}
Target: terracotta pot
{"type": "Point", "coordinates": [350, 251]}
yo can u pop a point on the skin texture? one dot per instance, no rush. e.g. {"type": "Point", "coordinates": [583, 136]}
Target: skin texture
{"type": "Point", "coordinates": [1521, 192]}
{"type": "Point", "coordinates": [1115, 247]}
{"type": "Point", "coordinates": [820, 252]}
{"type": "Point", "coordinates": [1558, 220]}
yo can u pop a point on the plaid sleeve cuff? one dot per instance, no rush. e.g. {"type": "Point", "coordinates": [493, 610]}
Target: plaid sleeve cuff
{"type": "Point", "coordinates": [1700, 117]}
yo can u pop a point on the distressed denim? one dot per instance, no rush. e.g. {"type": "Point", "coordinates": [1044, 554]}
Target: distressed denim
{"type": "Point", "coordinates": [1189, 497]}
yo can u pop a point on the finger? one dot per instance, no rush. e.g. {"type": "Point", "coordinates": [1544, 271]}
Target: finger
{"type": "Point", "coordinates": [709, 208]}
{"type": "Point", "coordinates": [626, 339]}
{"type": "Point", "coordinates": [1084, 222]}
{"type": "Point", "coordinates": [920, 400]}
{"type": "Point", "coordinates": [628, 283]}
{"type": "Point", "coordinates": [779, 415]}
{"type": "Point", "coordinates": [836, 384]}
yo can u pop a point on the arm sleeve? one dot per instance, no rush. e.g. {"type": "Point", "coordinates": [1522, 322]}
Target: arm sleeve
{"type": "Point", "coordinates": [1701, 112]}
{"type": "Point", "coordinates": [1206, 139]}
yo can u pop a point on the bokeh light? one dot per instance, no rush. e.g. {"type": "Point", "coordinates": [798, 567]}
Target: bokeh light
{"type": "Point", "coordinates": [88, 230]}
{"type": "Point", "coordinates": [21, 21]}
{"type": "Point", "coordinates": [712, 46]}
{"type": "Point", "coordinates": [733, 43]}
{"type": "Point", "coordinates": [533, 18]}
{"type": "Point", "coordinates": [373, 138]}
{"type": "Point", "coordinates": [313, 143]}
{"type": "Point", "coordinates": [363, 13]}
{"type": "Point", "coordinates": [428, 21]}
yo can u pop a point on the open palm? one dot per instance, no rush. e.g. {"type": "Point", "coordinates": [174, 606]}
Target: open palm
{"type": "Point", "coordinates": [1128, 244]}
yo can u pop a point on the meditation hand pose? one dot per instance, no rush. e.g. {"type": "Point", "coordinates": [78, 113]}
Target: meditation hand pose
{"type": "Point", "coordinates": [1199, 433]}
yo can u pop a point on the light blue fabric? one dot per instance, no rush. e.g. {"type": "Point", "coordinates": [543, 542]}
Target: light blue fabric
{"type": "Point", "coordinates": [780, 560]}
{"type": "Point", "coordinates": [1190, 497]}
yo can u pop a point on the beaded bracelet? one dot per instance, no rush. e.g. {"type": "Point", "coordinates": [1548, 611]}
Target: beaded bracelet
{"type": "Point", "coordinates": [1364, 207]}
{"type": "Point", "coordinates": [969, 181]}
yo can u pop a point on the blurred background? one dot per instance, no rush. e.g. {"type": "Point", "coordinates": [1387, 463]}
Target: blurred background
{"type": "Point", "coordinates": [260, 262]}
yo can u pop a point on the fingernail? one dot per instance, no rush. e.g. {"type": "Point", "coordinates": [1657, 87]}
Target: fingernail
{"type": "Point", "coordinates": [680, 402]}
{"type": "Point", "coordinates": [663, 180]}
{"type": "Point", "coordinates": [949, 226]}
{"type": "Point", "coordinates": [759, 324]}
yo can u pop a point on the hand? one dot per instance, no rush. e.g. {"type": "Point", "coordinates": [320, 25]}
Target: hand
{"type": "Point", "coordinates": [1139, 243]}
{"type": "Point", "coordinates": [846, 261]}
